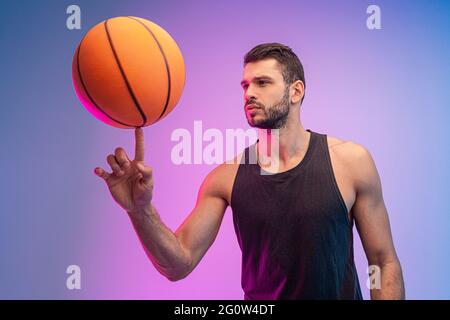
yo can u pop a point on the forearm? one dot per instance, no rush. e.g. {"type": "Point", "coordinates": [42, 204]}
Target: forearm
{"type": "Point", "coordinates": [392, 286]}
{"type": "Point", "coordinates": [160, 243]}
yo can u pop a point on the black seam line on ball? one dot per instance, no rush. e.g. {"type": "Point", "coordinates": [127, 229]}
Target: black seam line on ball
{"type": "Point", "coordinates": [88, 94]}
{"type": "Point", "coordinates": [130, 90]}
{"type": "Point", "coordinates": [167, 66]}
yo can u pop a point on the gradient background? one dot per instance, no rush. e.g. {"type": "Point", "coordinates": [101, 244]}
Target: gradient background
{"type": "Point", "coordinates": [386, 89]}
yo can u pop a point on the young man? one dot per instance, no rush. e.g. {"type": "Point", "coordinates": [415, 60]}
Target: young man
{"type": "Point", "coordinates": [294, 224]}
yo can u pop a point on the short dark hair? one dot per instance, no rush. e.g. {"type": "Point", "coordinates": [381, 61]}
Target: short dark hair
{"type": "Point", "coordinates": [292, 68]}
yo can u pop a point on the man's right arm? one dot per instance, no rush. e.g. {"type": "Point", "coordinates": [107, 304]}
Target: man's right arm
{"type": "Point", "coordinates": [176, 254]}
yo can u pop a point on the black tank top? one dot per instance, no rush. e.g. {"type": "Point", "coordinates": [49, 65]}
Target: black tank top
{"type": "Point", "coordinates": [293, 229]}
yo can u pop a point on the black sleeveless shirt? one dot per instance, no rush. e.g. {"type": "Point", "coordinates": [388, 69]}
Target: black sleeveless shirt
{"type": "Point", "coordinates": [293, 229]}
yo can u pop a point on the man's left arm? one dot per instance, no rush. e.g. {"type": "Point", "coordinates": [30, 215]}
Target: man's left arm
{"type": "Point", "coordinates": [372, 223]}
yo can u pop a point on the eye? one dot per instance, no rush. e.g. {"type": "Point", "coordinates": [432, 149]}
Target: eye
{"type": "Point", "coordinates": [262, 82]}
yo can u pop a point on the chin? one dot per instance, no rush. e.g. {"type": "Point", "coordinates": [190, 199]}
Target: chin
{"type": "Point", "coordinates": [253, 123]}
{"type": "Point", "coordinates": [258, 125]}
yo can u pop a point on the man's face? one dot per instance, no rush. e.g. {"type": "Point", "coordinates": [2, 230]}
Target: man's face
{"type": "Point", "coordinates": [266, 96]}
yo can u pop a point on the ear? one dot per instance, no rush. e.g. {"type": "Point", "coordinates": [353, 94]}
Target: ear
{"type": "Point", "coordinates": [298, 89]}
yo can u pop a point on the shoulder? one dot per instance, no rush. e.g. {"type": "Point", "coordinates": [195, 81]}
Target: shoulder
{"type": "Point", "coordinates": [348, 150]}
{"type": "Point", "coordinates": [357, 160]}
{"type": "Point", "coordinates": [219, 181]}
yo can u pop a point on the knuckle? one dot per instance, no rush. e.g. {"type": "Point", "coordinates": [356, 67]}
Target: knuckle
{"type": "Point", "coordinates": [110, 158]}
{"type": "Point", "coordinates": [149, 171]}
{"type": "Point", "coordinates": [119, 150]}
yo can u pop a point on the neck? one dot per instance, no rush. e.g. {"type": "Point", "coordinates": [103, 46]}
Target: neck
{"type": "Point", "coordinates": [283, 145]}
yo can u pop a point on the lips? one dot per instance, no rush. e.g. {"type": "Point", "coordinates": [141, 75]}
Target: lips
{"type": "Point", "coordinates": [251, 107]}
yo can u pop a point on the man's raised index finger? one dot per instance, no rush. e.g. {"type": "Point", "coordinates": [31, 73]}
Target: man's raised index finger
{"type": "Point", "coordinates": [139, 149]}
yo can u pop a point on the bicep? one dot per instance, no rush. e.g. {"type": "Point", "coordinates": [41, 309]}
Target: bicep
{"type": "Point", "coordinates": [200, 228]}
{"type": "Point", "coordinates": [370, 213]}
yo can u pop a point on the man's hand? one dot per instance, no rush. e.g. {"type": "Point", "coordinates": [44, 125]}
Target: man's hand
{"type": "Point", "coordinates": [174, 255]}
{"type": "Point", "coordinates": [131, 181]}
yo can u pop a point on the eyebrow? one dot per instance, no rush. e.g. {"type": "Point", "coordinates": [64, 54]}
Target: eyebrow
{"type": "Point", "coordinates": [257, 78]}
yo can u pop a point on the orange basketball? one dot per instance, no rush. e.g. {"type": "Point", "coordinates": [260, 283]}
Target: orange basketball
{"type": "Point", "coordinates": [128, 72]}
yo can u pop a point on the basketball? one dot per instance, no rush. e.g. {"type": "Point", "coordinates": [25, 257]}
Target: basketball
{"type": "Point", "coordinates": [128, 72]}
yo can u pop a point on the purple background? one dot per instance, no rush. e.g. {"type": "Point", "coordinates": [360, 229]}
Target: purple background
{"type": "Point", "coordinates": [386, 89]}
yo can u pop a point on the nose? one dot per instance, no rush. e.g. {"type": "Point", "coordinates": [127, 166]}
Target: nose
{"type": "Point", "coordinates": [249, 94]}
